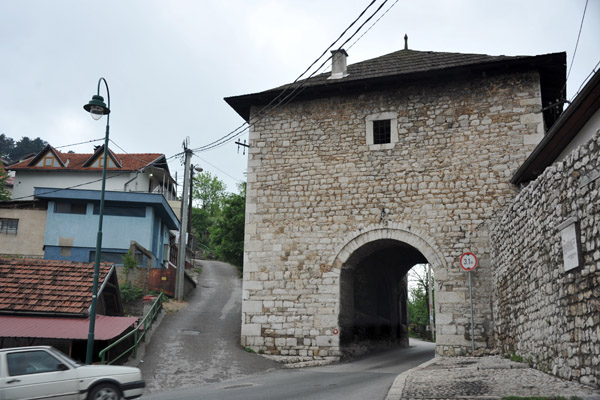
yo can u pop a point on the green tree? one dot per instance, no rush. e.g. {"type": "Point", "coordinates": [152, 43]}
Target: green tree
{"type": "Point", "coordinates": [26, 146]}
{"type": "Point", "coordinates": [227, 234]}
{"type": "Point", "coordinates": [418, 302]}
{"type": "Point", "coordinates": [209, 191]}
{"type": "Point", "coordinates": [201, 221]}
{"type": "Point", "coordinates": [13, 151]}
{"type": "Point", "coordinates": [129, 263]}
{"type": "Point", "coordinates": [4, 193]}
{"type": "Point", "coordinates": [6, 145]}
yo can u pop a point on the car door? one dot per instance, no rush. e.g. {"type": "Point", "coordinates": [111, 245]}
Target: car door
{"type": "Point", "coordinates": [38, 374]}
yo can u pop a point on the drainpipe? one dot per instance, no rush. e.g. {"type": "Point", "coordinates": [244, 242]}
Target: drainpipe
{"type": "Point", "coordinates": [132, 179]}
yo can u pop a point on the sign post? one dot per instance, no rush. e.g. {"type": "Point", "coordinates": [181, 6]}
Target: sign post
{"type": "Point", "coordinates": [468, 262]}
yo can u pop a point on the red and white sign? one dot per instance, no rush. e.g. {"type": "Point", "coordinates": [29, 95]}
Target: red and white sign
{"type": "Point", "coordinates": [468, 261]}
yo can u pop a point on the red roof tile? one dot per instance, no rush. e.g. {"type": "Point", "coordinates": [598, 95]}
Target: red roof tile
{"type": "Point", "coordinates": [47, 285]}
{"type": "Point", "coordinates": [76, 161]}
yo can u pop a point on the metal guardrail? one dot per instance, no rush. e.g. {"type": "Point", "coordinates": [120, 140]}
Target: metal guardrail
{"type": "Point", "coordinates": [138, 333]}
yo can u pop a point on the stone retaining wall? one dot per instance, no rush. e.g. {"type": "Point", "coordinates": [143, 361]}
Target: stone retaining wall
{"type": "Point", "coordinates": [548, 316]}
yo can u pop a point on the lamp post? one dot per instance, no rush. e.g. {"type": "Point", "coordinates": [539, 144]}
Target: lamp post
{"type": "Point", "coordinates": [97, 109]}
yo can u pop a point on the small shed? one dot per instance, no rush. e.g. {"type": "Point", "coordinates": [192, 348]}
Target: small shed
{"type": "Point", "coordinates": [48, 302]}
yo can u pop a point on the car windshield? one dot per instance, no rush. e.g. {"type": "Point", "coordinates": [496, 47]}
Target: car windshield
{"type": "Point", "coordinates": [66, 358]}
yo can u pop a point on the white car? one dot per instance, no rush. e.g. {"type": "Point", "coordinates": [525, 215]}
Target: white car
{"type": "Point", "coordinates": [42, 372]}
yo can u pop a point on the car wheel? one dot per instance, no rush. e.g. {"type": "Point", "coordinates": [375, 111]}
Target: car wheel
{"type": "Point", "coordinates": [105, 391]}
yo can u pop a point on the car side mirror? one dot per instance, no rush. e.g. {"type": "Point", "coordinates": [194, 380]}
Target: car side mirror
{"type": "Point", "coordinates": [62, 367]}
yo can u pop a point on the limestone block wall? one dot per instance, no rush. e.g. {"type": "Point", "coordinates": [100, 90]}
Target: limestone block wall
{"type": "Point", "coordinates": [548, 316]}
{"type": "Point", "coordinates": [315, 185]}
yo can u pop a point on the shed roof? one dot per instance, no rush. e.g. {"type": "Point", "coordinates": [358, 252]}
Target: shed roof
{"type": "Point", "coordinates": [47, 286]}
{"type": "Point", "coordinates": [408, 66]}
{"type": "Point", "coordinates": [106, 327]}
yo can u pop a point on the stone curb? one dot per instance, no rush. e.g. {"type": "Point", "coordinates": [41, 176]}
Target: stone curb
{"type": "Point", "coordinates": [395, 392]}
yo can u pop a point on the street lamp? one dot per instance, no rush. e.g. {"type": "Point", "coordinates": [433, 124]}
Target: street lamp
{"type": "Point", "coordinates": [97, 109]}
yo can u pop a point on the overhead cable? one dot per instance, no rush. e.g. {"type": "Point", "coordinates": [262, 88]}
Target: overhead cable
{"type": "Point", "coordinates": [266, 110]}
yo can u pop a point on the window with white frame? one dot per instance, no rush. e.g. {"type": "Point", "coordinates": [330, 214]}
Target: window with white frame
{"type": "Point", "coordinates": [381, 130]}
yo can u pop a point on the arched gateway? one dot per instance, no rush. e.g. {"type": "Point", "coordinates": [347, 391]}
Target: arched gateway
{"type": "Point", "coordinates": [373, 285]}
{"type": "Point", "coordinates": [394, 161]}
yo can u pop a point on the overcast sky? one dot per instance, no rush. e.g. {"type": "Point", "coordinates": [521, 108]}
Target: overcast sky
{"type": "Point", "coordinates": [169, 64]}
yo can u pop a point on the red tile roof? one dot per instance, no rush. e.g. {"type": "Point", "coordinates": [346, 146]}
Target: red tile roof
{"type": "Point", "coordinates": [77, 161]}
{"type": "Point", "coordinates": [106, 327]}
{"type": "Point", "coordinates": [47, 286]}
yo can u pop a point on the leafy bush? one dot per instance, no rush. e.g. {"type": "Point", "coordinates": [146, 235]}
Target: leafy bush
{"type": "Point", "coordinates": [130, 293]}
{"type": "Point", "coordinates": [129, 262]}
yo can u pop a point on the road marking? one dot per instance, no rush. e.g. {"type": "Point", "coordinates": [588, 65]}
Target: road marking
{"type": "Point", "coordinates": [229, 305]}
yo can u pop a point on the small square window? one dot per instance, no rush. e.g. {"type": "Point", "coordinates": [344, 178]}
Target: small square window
{"type": "Point", "coordinates": [382, 132]}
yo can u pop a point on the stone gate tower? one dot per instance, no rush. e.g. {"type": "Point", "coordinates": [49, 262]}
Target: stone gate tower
{"type": "Point", "coordinates": [356, 176]}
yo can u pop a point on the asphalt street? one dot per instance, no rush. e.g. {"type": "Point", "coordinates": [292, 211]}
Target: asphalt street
{"type": "Point", "coordinates": [195, 354]}
{"type": "Point", "coordinates": [368, 378]}
{"type": "Point", "coordinates": [200, 344]}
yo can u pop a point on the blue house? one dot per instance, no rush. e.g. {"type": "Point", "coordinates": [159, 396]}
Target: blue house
{"type": "Point", "coordinates": [131, 220]}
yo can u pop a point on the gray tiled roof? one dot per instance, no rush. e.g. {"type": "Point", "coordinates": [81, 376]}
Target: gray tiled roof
{"type": "Point", "coordinates": [405, 66]}
{"type": "Point", "coordinates": [405, 62]}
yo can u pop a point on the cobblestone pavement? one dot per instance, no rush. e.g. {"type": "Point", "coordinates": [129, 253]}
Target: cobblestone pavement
{"type": "Point", "coordinates": [482, 378]}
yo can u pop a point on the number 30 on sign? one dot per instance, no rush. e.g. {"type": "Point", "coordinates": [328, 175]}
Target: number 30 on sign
{"type": "Point", "coordinates": [468, 261]}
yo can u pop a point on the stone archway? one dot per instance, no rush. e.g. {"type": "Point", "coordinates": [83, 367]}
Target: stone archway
{"type": "Point", "coordinates": [373, 285]}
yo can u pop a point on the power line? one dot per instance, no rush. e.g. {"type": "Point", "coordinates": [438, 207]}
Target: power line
{"type": "Point", "coordinates": [237, 131]}
{"type": "Point", "coordinates": [575, 51]}
{"type": "Point", "coordinates": [374, 23]}
{"type": "Point", "coordinates": [217, 168]}
{"type": "Point", "coordinates": [75, 144]}
{"type": "Point", "coordinates": [594, 70]}
{"type": "Point", "coordinates": [265, 110]}
{"type": "Point", "coordinates": [300, 87]}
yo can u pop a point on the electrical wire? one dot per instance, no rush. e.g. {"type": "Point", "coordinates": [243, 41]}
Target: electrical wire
{"type": "Point", "coordinates": [217, 168]}
{"type": "Point", "coordinates": [237, 131]}
{"type": "Point", "coordinates": [75, 144]}
{"type": "Point", "coordinates": [265, 110]}
{"type": "Point", "coordinates": [587, 78]}
{"type": "Point", "coordinates": [300, 87]}
{"type": "Point", "coordinates": [575, 51]}
{"type": "Point", "coordinates": [242, 128]}
{"type": "Point", "coordinates": [374, 23]}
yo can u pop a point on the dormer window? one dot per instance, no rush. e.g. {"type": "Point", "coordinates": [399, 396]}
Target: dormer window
{"type": "Point", "coordinates": [48, 160]}
{"type": "Point", "coordinates": [99, 162]}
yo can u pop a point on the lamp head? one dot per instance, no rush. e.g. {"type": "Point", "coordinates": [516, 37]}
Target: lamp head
{"type": "Point", "coordinates": [96, 107]}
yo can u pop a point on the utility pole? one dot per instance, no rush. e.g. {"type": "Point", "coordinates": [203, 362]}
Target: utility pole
{"type": "Point", "coordinates": [183, 227]}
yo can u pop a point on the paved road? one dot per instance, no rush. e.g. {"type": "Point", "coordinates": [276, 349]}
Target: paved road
{"type": "Point", "coordinates": [195, 353]}
{"type": "Point", "coordinates": [200, 344]}
{"type": "Point", "coordinates": [367, 378]}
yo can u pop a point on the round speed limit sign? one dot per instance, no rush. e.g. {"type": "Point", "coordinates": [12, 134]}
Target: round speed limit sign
{"type": "Point", "coordinates": [468, 261]}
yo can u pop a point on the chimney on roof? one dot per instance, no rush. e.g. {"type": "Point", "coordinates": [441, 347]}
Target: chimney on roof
{"type": "Point", "coordinates": [338, 64]}
{"type": "Point", "coordinates": [405, 41]}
